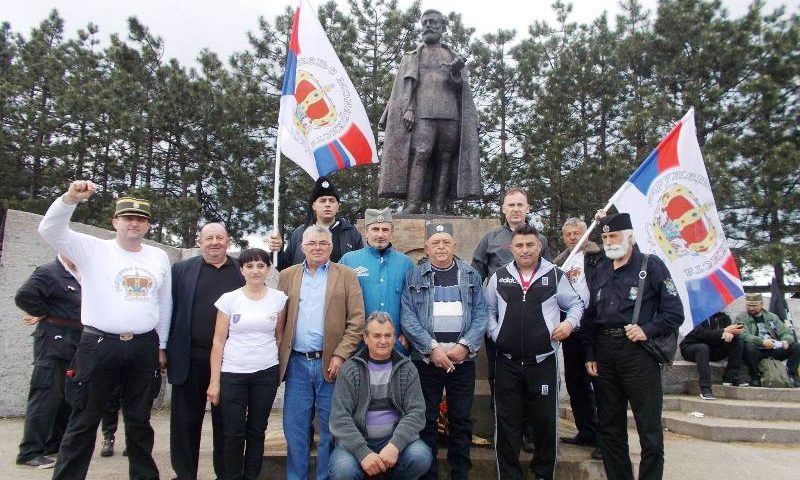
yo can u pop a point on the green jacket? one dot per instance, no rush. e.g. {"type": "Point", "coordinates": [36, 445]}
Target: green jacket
{"type": "Point", "coordinates": [775, 326]}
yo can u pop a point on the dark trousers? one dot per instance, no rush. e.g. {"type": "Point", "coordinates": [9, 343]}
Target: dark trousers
{"type": "Point", "coordinates": [245, 403]}
{"type": "Point", "coordinates": [580, 389]}
{"type": "Point", "coordinates": [754, 354]}
{"type": "Point", "coordinates": [702, 353]}
{"type": "Point", "coordinates": [627, 373]}
{"type": "Point", "coordinates": [46, 413]}
{"type": "Point", "coordinates": [491, 351]}
{"type": "Point", "coordinates": [101, 363]}
{"type": "Point", "coordinates": [110, 417]}
{"type": "Point", "coordinates": [460, 386]}
{"type": "Point", "coordinates": [186, 422]}
{"type": "Point", "coordinates": [526, 387]}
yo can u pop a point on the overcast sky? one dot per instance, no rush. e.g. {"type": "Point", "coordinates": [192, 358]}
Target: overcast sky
{"type": "Point", "coordinates": [188, 26]}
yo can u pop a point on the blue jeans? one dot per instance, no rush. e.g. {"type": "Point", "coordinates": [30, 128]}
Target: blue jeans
{"type": "Point", "coordinates": [306, 392]}
{"type": "Point", "coordinates": [412, 463]}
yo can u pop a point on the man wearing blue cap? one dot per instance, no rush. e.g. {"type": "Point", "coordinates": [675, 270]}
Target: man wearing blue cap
{"type": "Point", "coordinates": [625, 371]}
{"type": "Point", "coordinates": [381, 270]}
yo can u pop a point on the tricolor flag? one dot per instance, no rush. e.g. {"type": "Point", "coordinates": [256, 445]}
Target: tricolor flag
{"type": "Point", "coordinates": [323, 124]}
{"type": "Point", "coordinates": [674, 216]}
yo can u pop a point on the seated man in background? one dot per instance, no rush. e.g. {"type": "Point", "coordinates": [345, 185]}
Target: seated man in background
{"type": "Point", "coordinates": [378, 411]}
{"type": "Point", "coordinates": [713, 340]}
{"type": "Point", "coordinates": [764, 336]}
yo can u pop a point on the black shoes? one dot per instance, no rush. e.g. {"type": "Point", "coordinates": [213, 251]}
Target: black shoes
{"type": "Point", "coordinates": [576, 440]}
{"type": "Point", "coordinates": [706, 394]}
{"type": "Point", "coordinates": [108, 448]}
{"type": "Point", "coordinates": [40, 462]}
{"type": "Point", "coordinates": [755, 382]}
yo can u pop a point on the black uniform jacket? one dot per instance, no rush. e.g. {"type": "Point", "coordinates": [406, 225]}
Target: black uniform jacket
{"type": "Point", "coordinates": [613, 295]}
{"type": "Point", "coordinates": [51, 291]}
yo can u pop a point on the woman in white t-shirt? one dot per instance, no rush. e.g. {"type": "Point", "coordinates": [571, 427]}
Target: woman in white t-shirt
{"type": "Point", "coordinates": [244, 364]}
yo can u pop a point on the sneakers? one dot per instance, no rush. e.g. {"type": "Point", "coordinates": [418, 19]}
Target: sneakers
{"type": "Point", "coordinates": [108, 448]}
{"type": "Point", "coordinates": [706, 394]}
{"type": "Point", "coordinates": [40, 462]}
{"type": "Point", "coordinates": [755, 382]}
{"type": "Point", "coordinates": [735, 383]}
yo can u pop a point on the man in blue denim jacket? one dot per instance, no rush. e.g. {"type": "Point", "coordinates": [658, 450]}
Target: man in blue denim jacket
{"type": "Point", "coordinates": [444, 317]}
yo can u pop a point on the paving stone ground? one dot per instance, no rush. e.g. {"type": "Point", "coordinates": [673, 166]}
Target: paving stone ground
{"type": "Point", "coordinates": [686, 458]}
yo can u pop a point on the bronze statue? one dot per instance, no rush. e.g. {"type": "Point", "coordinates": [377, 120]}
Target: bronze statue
{"type": "Point", "coordinates": [430, 152]}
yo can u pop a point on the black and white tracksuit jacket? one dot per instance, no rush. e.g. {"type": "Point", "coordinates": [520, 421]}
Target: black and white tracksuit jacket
{"type": "Point", "coordinates": [521, 323]}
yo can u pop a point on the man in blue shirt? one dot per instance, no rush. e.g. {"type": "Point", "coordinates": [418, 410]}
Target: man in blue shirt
{"type": "Point", "coordinates": [318, 330]}
{"type": "Point", "coordinates": [381, 270]}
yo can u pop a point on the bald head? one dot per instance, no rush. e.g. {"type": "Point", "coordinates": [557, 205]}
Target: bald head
{"type": "Point", "coordinates": [213, 242]}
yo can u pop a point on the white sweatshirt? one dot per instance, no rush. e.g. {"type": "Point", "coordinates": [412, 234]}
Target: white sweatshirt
{"type": "Point", "coordinates": [123, 292]}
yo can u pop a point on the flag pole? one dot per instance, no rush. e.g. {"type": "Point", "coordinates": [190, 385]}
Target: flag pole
{"type": "Point", "coordinates": [275, 193]}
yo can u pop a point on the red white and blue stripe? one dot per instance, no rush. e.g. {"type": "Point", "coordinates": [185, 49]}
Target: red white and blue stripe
{"type": "Point", "coordinates": [323, 126]}
{"type": "Point", "coordinates": [669, 197]}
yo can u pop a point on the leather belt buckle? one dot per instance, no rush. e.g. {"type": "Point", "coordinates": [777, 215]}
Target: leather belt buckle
{"type": "Point", "coordinates": [125, 336]}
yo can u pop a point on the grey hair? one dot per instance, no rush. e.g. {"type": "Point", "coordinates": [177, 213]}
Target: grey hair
{"type": "Point", "coordinates": [379, 317]}
{"type": "Point", "coordinates": [314, 229]}
{"type": "Point", "coordinates": [629, 233]}
{"type": "Point", "coordinates": [573, 222]}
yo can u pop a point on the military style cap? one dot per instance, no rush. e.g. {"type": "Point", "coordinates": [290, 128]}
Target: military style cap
{"type": "Point", "coordinates": [753, 299]}
{"type": "Point", "coordinates": [323, 188]}
{"type": "Point", "coordinates": [435, 227]}
{"type": "Point", "coordinates": [615, 223]}
{"type": "Point", "coordinates": [373, 215]}
{"type": "Point", "coordinates": [136, 207]}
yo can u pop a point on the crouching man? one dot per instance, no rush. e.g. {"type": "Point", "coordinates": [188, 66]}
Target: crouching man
{"type": "Point", "coordinates": [378, 411]}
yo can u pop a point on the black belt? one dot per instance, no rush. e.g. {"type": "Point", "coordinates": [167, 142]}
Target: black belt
{"type": "Point", "coordinates": [614, 332]}
{"type": "Point", "coordinates": [63, 323]}
{"type": "Point", "coordinates": [308, 355]}
{"type": "Point", "coordinates": [124, 337]}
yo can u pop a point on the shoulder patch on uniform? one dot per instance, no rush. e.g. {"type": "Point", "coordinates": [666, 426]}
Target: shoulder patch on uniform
{"type": "Point", "coordinates": [669, 284]}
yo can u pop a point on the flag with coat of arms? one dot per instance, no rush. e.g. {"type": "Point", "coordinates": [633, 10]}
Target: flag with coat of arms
{"type": "Point", "coordinates": [674, 216]}
{"type": "Point", "coordinates": [323, 126]}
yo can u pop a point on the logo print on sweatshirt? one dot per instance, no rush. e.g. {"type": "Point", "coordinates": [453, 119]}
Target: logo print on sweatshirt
{"type": "Point", "coordinates": [135, 282]}
{"type": "Point", "coordinates": [361, 271]}
{"type": "Point", "coordinates": [236, 317]}
{"type": "Point", "coordinates": [545, 389]}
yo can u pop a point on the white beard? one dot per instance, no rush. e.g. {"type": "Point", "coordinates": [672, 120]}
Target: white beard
{"type": "Point", "coordinates": [615, 252]}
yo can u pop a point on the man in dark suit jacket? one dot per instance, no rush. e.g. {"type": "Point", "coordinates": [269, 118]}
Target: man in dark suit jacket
{"type": "Point", "coordinates": [196, 284]}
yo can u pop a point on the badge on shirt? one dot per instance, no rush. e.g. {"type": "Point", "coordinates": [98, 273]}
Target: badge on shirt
{"type": "Point", "coordinates": [633, 293]}
{"type": "Point", "coordinates": [235, 318]}
{"type": "Point", "coordinates": [545, 389]}
{"type": "Point", "coordinates": [670, 286]}
{"type": "Point", "coordinates": [544, 281]}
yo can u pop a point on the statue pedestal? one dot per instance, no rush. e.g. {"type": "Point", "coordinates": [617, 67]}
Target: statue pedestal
{"type": "Point", "coordinates": [409, 233]}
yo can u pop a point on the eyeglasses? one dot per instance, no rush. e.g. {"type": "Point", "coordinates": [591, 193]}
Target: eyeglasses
{"type": "Point", "coordinates": [323, 244]}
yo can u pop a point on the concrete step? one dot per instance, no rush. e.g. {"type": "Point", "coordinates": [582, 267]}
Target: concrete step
{"type": "Point", "coordinates": [676, 377]}
{"type": "Point", "coordinates": [734, 409]}
{"type": "Point", "coordinates": [751, 393]}
{"type": "Point", "coordinates": [731, 430]}
{"type": "Point", "coordinates": [574, 463]}
{"type": "Point", "coordinates": [719, 429]}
